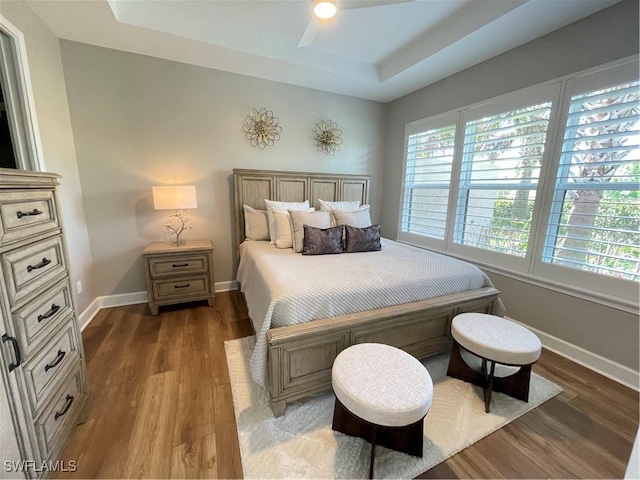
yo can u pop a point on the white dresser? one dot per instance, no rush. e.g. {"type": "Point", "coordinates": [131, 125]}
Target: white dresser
{"type": "Point", "coordinates": [42, 361]}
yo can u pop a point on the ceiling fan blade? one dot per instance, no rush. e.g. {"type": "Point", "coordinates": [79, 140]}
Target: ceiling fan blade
{"type": "Point", "coordinates": [313, 27]}
{"type": "Point", "coordinates": [353, 4]}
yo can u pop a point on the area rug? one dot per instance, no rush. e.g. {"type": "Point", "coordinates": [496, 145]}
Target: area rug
{"type": "Point", "coordinates": [301, 444]}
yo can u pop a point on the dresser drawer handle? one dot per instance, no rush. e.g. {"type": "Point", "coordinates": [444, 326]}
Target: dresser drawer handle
{"type": "Point", "coordinates": [43, 263]}
{"type": "Point", "coordinates": [61, 354]}
{"type": "Point", "coordinates": [33, 212]}
{"type": "Point", "coordinates": [180, 265]}
{"type": "Point", "coordinates": [182, 286]}
{"type": "Point", "coordinates": [16, 350]}
{"type": "Point", "coordinates": [50, 313]}
{"type": "Point", "coordinates": [65, 409]}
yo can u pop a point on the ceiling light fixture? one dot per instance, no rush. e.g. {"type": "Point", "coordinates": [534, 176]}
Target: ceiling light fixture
{"type": "Point", "coordinates": [324, 8]}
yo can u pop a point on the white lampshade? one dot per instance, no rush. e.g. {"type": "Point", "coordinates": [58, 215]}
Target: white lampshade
{"type": "Point", "coordinates": [174, 197]}
{"type": "Point", "coordinates": [324, 8]}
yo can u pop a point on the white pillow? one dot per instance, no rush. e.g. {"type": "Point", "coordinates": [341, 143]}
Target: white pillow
{"type": "Point", "coordinates": [313, 219]}
{"type": "Point", "coordinates": [358, 218]}
{"type": "Point", "coordinates": [328, 206]}
{"type": "Point", "coordinates": [284, 229]}
{"type": "Point", "coordinates": [273, 205]}
{"type": "Point", "coordinates": [256, 224]}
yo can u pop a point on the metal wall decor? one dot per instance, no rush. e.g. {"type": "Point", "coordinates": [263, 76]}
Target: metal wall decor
{"type": "Point", "coordinates": [261, 128]}
{"type": "Point", "coordinates": [327, 136]}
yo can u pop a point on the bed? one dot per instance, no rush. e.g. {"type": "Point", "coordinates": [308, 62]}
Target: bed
{"type": "Point", "coordinates": [401, 295]}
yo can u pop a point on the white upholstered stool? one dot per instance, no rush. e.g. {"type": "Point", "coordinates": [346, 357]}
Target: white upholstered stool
{"type": "Point", "coordinates": [382, 395]}
{"type": "Point", "coordinates": [494, 340]}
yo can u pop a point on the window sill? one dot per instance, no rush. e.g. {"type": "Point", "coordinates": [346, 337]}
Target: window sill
{"type": "Point", "coordinates": [617, 303]}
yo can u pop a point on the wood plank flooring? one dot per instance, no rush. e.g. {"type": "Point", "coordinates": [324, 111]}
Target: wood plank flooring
{"type": "Point", "coordinates": [160, 406]}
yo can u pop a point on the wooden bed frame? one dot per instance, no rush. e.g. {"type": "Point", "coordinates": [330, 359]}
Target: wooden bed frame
{"type": "Point", "coordinates": [300, 356]}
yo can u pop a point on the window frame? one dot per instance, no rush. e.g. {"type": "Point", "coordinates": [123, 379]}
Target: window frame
{"type": "Point", "coordinates": [18, 92]}
{"type": "Point", "coordinates": [438, 121]}
{"type": "Point", "coordinates": [603, 284]}
{"type": "Point", "coordinates": [521, 99]}
{"type": "Point", "coordinates": [615, 292]}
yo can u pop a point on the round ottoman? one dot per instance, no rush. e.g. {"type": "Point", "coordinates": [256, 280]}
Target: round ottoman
{"type": "Point", "coordinates": [382, 395]}
{"type": "Point", "coordinates": [494, 340]}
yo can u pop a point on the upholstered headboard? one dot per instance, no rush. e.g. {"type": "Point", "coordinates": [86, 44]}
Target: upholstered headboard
{"type": "Point", "coordinates": [253, 186]}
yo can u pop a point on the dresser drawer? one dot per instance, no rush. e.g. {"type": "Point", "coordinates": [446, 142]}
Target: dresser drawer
{"type": "Point", "coordinates": [32, 267]}
{"type": "Point", "coordinates": [40, 316]}
{"type": "Point", "coordinates": [164, 266]}
{"type": "Point", "coordinates": [185, 287]}
{"type": "Point", "coordinates": [44, 372]}
{"type": "Point", "coordinates": [24, 213]}
{"type": "Point", "coordinates": [61, 414]}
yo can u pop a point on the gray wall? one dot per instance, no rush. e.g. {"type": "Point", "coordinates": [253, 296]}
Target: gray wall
{"type": "Point", "coordinates": [140, 121]}
{"type": "Point", "coordinates": [601, 38]}
{"type": "Point", "coordinates": [52, 111]}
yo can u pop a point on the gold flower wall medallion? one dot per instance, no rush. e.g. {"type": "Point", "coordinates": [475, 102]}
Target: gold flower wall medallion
{"type": "Point", "coordinates": [261, 128]}
{"type": "Point", "coordinates": [327, 137]}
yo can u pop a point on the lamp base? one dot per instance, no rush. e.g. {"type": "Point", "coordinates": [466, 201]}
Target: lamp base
{"type": "Point", "coordinates": [177, 231]}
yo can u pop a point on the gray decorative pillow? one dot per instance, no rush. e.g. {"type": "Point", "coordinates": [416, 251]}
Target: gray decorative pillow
{"type": "Point", "coordinates": [321, 241]}
{"type": "Point", "coordinates": [362, 239]}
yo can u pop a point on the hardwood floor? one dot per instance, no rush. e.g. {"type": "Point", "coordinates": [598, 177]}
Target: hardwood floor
{"type": "Point", "coordinates": [160, 406]}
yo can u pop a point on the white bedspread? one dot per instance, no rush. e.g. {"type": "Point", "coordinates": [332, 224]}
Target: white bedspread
{"type": "Point", "coordinates": [284, 288]}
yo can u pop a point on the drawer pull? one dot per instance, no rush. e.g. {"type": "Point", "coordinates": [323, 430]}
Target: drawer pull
{"type": "Point", "coordinates": [43, 263]}
{"type": "Point", "coordinates": [182, 286]}
{"type": "Point", "coordinates": [180, 265]}
{"type": "Point", "coordinates": [16, 349]}
{"type": "Point", "coordinates": [61, 354]}
{"type": "Point", "coordinates": [65, 409]}
{"type": "Point", "coordinates": [33, 212]}
{"type": "Point", "coordinates": [50, 313]}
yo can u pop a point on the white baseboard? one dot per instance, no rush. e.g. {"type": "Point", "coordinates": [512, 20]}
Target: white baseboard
{"type": "Point", "coordinates": [226, 286]}
{"type": "Point", "coordinates": [131, 299]}
{"type": "Point", "coordinates": [107, 302]}
{"type": "Point", "coordinates": [610, 369]}
{"type": "Point", "coordinates": [87, 315]}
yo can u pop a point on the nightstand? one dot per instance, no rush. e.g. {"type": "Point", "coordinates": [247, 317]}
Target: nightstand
{"type": "Point", "coordinates": [179, 274]}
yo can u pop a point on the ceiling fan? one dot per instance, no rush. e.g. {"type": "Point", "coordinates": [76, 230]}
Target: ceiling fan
{"type": "Point", "coordinates": [325, 10]}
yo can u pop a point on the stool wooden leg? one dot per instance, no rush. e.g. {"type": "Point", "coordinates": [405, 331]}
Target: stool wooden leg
{"type": "Point", "coordinates": [374, 437]}
{"type": "Point", "coordinates": [489, 387]}
{"type": "Point", "coordinates": [516, 385]}
{"type": "Point", "coordinates": [459, 369]}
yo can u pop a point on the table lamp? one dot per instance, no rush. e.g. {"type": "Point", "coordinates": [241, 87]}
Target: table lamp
{"type": "Point", "coordinates": [176, 198]}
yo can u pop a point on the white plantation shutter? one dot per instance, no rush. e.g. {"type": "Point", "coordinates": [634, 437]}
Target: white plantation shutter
{"type": "Point", "coordinates": [429, 158]}
{"type": "Point", "coordinates": [595, 214]}
{"type": "Point", "coordinates": [542, 183]}
{"type": "Point", "coordinates": [502, 155]}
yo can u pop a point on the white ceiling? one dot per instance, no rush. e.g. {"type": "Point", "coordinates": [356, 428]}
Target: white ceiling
{"type": "Point", "coordinates": [380, 52]}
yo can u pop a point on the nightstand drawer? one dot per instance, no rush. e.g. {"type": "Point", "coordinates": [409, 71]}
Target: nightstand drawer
{"type": "Point", "coordinates": [61, 414]}
{"type": "Point", "coordinates": [26, 213]}
{"type": "Point", "coordinates": [44, 372]}
{"type": "Point", "coordinates": [185, 287]}
{"type": "Point", "coordinates": [160, 267]}
{"type": "Point", "coordinates": [42, 315]}
{"type": "Point", "coordinates": [32, 267]}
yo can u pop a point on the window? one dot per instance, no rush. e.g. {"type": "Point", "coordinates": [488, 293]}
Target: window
{"type": "Point", "coordinates": [429, 156]}
{"type": "Point", "coordinates": [499, 177]}
{"type": "Point", "coordinates": [595, 215]}
{"type": "Point", "coordinates": [542, 183]}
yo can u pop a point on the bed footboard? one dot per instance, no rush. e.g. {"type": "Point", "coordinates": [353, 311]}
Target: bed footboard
{"type": "Point", "coordinates": [300, 356]}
